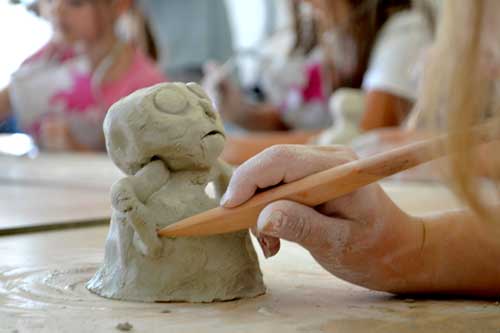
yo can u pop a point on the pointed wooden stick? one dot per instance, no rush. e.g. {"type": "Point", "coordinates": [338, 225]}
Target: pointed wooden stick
{"type": "Point", "coordinates": [317, 188]}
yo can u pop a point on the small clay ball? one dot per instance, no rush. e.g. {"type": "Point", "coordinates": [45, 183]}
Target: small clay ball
{"type": "Point", "coordinates": [170, 101]}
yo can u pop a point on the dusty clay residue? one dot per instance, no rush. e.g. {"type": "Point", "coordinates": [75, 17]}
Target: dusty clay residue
{"type": "Point", "coordinates": [167, 139]}
{"type": "Point", "coordinates": [51, 297]}
{"type": "Point", "coordinates": [125, 327]}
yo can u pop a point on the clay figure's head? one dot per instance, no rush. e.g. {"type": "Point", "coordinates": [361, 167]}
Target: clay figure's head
{"type": "Point", "coordinates": [174, 122]}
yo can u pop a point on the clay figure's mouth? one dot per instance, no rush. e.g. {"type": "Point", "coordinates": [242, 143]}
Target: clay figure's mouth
{"type": "Point", "coordinates": [214, 132]}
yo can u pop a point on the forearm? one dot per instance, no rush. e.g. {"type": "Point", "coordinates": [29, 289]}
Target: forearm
{"type": "Point", "coordinates": [459, 254]}
{"type": "Point", "coordinates": [76, 146]}
{"type": "Point", "coordinates": [384, 110]}
{"type": "Point", "coordinates": [5, 108]}
{"type": "Point", "coordinates": [260, 117]}
{"type": "Point", "coordinates": [149, 179]}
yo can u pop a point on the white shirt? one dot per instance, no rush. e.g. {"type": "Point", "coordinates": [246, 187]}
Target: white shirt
{"type": "Point", "coordinates": [396, 54]}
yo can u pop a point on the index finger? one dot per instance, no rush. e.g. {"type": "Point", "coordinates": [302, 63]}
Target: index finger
{"type": "Point", "coordinates": [282, 163]}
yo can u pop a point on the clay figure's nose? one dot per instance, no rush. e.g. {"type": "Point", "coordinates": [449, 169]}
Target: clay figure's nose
{"type": "Point", "coordinates": [208, 110]}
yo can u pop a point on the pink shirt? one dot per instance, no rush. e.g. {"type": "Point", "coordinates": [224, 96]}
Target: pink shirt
{"type": "Point", "coordinates": [306, 105]}
{"type": "Point", "coordinates": [78, 101]}
{"type": "Point", "coordinates": [141, 73]}
{"type": "Point", "coordinates": [80, 97]}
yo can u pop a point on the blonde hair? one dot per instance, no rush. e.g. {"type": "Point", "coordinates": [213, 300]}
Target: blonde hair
{"type": "Point", "coordinates": [457, 92]}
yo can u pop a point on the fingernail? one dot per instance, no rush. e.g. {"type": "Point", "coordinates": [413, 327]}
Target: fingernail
{"type": "Point", "coordinates": [273, 224]}
{"type": "Point", "coordinates": [265, 247]}
{"type": "Point", "coordinates": [224, 199]}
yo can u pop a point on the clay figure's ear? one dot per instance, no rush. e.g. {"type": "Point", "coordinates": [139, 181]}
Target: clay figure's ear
{"type": "Point", "coordinates": [120, 144]}
{"type": "Point", "coordinates": [122, 127]}
{"type": "Point", "coordinates": [196, 89]}
{"type": "Point", "coordinates": [170, 101]}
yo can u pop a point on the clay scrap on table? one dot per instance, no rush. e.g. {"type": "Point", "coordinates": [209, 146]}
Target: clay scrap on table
{"type": "Point", "coordinates": [167, 139]}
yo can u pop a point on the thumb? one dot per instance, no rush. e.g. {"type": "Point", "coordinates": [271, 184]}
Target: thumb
{"type": "Point", "coordinates": [301, 224]}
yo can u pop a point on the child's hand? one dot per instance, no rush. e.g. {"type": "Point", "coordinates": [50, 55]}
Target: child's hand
{"type": "Point", "coordinates": [361, 237]}
{"type": "Point", "coordinates": [225, 93]}
{"type": "Point", "coordinates": [55, 134]}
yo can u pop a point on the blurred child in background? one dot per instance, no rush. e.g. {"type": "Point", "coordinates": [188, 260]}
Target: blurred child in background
{"type": "Point", "coordinates": [293, 88]}
{"type": "Point", "coordinates": [372, 45]}
{"type": "Point", "coordinates": [62, 92]}
{"type": "Point", "coordinates": [376, 45]}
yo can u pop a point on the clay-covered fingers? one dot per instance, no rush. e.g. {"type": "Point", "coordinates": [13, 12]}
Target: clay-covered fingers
{"type": "Point", "coordinates": [281, 163]}
{"type": "Point", "coordinates": [301, 224]}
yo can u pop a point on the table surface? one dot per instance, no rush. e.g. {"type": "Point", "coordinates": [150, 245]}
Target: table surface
{"type": "Point", "coordinates": [79, 170]}
{"type": "Point", "coordinates": [42, 278]}
{"type": "Point", "coordinates": [54, 190]}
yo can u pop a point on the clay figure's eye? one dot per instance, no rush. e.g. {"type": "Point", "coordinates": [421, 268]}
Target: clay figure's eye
{"type": "Point", "coordinates": [170, 101]}
{"type": "Point", "coordinates": [196, 89]}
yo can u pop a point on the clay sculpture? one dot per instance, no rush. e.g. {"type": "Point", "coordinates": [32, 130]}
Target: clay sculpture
{"type": "Point", "coordinates": [167, 139]}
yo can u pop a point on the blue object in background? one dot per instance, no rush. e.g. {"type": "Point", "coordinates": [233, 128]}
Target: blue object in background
{"type": "Point", "coordinates": [182, 54]}
{"type": "Point", "coordinates": [9, 125]}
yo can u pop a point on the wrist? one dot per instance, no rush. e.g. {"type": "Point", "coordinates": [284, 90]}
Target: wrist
{"type": "Point", "coordinates": [453, 248]}
{"type": "Point", "coordinates": [401, 262]}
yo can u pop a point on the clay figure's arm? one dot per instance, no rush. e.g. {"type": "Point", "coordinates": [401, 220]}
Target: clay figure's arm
{"type": "Point", "coordinates": [223, 175]}
{"type": "Point", "coordinates": [129, 195]}
{"type": "Point", "coordinates": [149, 179]}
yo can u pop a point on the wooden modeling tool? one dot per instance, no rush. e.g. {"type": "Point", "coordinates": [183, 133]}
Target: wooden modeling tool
{"type": "Point", "coordinates": [318, 188]}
